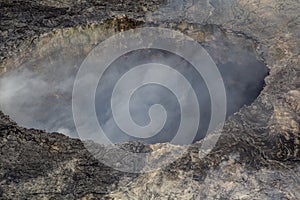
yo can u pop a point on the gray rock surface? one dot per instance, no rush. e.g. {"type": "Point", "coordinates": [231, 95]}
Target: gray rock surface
{"type": "Point", "coordinates": [256, 157]}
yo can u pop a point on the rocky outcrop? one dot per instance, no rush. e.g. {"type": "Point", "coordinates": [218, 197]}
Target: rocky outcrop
{"type": "Point", "coordinates": [256, 157]}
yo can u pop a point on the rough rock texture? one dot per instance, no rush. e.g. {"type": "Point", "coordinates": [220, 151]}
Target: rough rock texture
{"type": "Point", "coordinates": [257, 156]}
{"type": "Point", "coordinates": [21, 21]}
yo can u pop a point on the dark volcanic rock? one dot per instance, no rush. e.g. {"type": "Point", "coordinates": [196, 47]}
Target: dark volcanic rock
{"type": "Point", "coordinates": [23, 20]}
{"type": "Point", "coordinates": [35, 166]}
{"type": "Point", "coordinates": [256, 157]}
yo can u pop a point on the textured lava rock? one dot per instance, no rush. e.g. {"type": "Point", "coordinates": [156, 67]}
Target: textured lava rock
{"type": "Point", "coordinates": [256, 157]}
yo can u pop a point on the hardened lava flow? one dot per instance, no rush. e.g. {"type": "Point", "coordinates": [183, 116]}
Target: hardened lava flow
{"type": "Point", "coordinates": [256, 48]}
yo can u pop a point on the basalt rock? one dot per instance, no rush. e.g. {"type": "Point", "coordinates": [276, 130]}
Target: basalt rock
{"type": "Point", "coordinates": [256, 157]}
